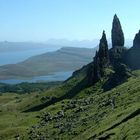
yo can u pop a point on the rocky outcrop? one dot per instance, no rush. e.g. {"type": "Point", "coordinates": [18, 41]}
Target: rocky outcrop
{"type": "Point", "coordinates": [136, 42]}
{"type": "Point", "coordinates": [132, 56]}
{"type": "Point", "coordinates": [103, 51]}
{"type": "Point", "coordinates": [109, 63]}
{"type": "Point", "coordinates": [117, 33]}
{"type": "Point", "coordinates": [101, 60]}
{"type": "Point", "coordinates": [118, 50]}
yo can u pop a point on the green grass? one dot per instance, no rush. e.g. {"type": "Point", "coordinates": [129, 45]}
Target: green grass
{"type": "Point", "coordinates": [87, 115]}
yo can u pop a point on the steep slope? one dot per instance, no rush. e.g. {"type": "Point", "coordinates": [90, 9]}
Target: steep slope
{"type": "Point", "coordinates": [65, 59]}
{"type": "Point", "coordinates": [90, 113]}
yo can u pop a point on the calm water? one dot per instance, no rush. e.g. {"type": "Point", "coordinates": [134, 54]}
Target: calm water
{"type": "Point", "coordinates": [57, 76]}
{"type": "Point", "coordinates": [18, 56]}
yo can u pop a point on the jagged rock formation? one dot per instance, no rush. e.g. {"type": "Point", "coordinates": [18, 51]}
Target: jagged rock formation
{"type": "Point", "coordinates": [132, 56]}
{"type": "Point", "coordinates": [118, 49]}
{"type": "Point", "coordinates": [101, 60]}
{"type": "Point", "coordinates": [117, 33]}
{"type": "Point", "coordinates": [116, 55]}
{"type": "Point", "coordinates": [109, 64]}
{"type": "Point", "coordinates": [96, 69]}
{"type": "Point", "coordinates": [103, 51]}
{"type": "Point", "coordinates": [120, 75]}
{"type": "Point", "coordinates": [136, 42]}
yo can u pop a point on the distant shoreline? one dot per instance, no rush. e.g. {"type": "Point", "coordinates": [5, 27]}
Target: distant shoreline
{"type": "Point", "coordinates": [56, 76]}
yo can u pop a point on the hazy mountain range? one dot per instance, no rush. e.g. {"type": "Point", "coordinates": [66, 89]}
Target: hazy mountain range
{"type": "Point", "coordinates": [15, 55]}
{"type": "Point", "coordinates": [82, 43]}
{"type": "Point", "coordinates": [25, 46]}
{"type": "Point", "coordinates": [64, 59]}
{"type": "Point", "coordinates": [6, 46]}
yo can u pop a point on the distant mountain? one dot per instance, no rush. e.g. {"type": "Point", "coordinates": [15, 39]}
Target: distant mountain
{"type": "Point", "coordinates": [24, 46]}
{"type": "Point", "coordinates": [83, 43]}
{"type": "Point", "coordinates": [74, 43]}
{"type": "Point", "coordinates": [64, 59]}
{"type": "Point", "coordinates": [51, 45]}
{"type": "Point", "coordinates": [14, 52]}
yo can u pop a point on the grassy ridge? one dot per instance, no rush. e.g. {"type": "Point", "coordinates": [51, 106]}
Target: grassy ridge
{"type": "Point", "coordinates": [89, 114]}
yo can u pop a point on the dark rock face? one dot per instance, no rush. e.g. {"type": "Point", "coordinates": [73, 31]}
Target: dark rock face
{"type": "Point", "coordinates": [132, 56]}
{"type": "Point", "coordinates": [96, 68]}
{"type": "Point", "coordinates": [122, 73]}
{"type": "Point", "coordinates": [136, 42]}
{"type": "Point", "coordinates": [103, 51]}
{"type": "Point", "coordinates": [116, 55]}
{"type": "Point", "coordinates": [117, 33]}
{"type": "Point", "coordinates": [101, 60]}
{"type": "Point", "coordinates": [110, 63]}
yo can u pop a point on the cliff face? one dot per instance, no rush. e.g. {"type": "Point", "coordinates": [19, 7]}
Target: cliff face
{"type": "Point", "coordinates": [100, 62]}
{"type": "Point", "coordinates": [132, 57]}
{"type": "Point", "coordinates": [117, 33]}
{"type": "Point", "coordinates": [106, 61]}
{"type": "Point", "coordinates": [117, 36]}
{"type": "Point", "coordinates": [136, 42]}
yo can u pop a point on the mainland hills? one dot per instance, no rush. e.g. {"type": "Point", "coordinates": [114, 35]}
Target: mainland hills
{"type": "Point", "coordinates": [64, 59]}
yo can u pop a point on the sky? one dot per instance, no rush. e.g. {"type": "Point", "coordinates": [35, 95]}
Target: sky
{"type": "Point", "coordinates": [40, 20]}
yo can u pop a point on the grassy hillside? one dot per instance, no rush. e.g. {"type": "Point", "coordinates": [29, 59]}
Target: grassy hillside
{"type": "Point", "coordinates": [65, 59]}
{"type": "Point", "coordinates": [69, 111]}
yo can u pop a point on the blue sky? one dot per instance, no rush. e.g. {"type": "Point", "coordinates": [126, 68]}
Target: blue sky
{"type": "Point", "coordinates": [40, 20]}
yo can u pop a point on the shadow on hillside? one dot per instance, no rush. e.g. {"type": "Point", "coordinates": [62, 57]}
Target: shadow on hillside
{"type": "Point", "coordinates": [70, 94]}
{"type": "Point", "coordinates": [110, 84]}
{"type": "Point", "coordinates": [121, 75]}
